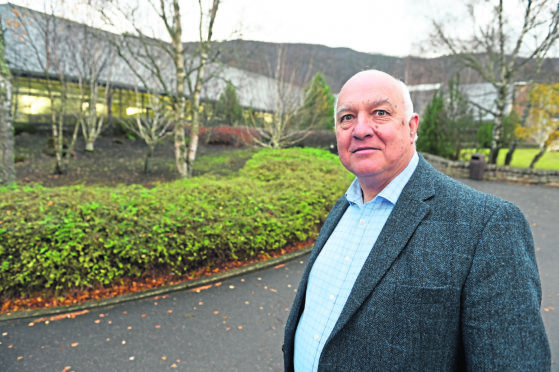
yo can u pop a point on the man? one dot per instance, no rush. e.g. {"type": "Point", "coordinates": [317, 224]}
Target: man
{"type": "Point", "coordinates": [412, 271]}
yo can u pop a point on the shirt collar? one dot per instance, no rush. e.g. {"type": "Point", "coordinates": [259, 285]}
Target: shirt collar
{"type": "Point", "coordinates": [391, 192]}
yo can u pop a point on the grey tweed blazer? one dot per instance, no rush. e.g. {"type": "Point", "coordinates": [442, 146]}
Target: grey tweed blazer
{"type": "Point", "coordinates": [451, 284]}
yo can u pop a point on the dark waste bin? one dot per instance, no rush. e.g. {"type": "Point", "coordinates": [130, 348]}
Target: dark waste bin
{"type": "Point", "coordinates": [477, 166]}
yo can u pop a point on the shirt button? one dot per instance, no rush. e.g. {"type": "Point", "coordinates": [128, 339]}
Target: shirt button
{"type": "Point", "coordinates": [347, 259]}
{"type": "Point", "coordinates": [316, 337]}
{"type": "Point", "coordinates": [332, 297]}
{"type": "Point", "coordinates": [362, 222]}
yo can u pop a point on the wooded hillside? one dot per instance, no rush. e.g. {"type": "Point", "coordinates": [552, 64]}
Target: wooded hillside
{"type": "Point", "coordinates": [338, 64]}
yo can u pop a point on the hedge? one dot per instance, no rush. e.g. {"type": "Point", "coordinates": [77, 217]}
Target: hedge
{"type": "Point", "coordinates": [79, 237]}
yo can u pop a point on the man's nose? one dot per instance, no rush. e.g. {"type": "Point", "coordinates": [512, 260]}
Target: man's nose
{"type": "Point", "coordinates": [363, 126]}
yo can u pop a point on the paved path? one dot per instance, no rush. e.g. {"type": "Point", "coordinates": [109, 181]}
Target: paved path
{"type": "Point", "coordinates": [236, 325]}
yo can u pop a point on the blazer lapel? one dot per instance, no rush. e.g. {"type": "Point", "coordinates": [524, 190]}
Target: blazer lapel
{"type": "Point", "coordinates": [409, 211]}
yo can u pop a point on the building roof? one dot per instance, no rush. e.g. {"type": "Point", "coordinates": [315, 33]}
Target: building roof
{"type": "Point", "coordinates": [78, 51]}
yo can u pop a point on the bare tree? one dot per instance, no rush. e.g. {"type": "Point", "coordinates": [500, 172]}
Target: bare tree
{"type": "Point", "coordinates": [44, 33]}
{"type": "Point", "coordinates": [154, 61]}
{"type": "Point", "coordinates": [280, 128]}
{"type": "Point", "coordinates": [7, 168]}
{"type": "Point", "coordinates": [92, 63]}
{"type": "Point", "coordinates": [497, 52]}
{"type": "Point", "coordinates": [152, 126]}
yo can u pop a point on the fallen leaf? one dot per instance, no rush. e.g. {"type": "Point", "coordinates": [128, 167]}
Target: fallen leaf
{"type": "Point", "coordinates": [75, 344]}
{"type": "Point", "coordinates": [164, 357]}
{"type": "Point", "coordinates": [199, 289]}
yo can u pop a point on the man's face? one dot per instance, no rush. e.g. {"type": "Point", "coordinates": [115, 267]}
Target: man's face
{"type": "Point", "coordinates": [375, 138]}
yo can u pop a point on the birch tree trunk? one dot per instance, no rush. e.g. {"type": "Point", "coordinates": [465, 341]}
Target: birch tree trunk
{"type": "Point", "coordinates": [7, 168]}
{"type": "Point", "coordinates": [205, 42]}
{"type": "Point", "coordinates": [179, 104]}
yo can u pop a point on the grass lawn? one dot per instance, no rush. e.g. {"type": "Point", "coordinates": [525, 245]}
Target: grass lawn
{"type": "Point", "coordinates": [521, 158]}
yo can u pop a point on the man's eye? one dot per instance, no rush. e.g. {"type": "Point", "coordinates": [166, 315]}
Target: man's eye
{"type": "Point", "coordinates": [346, 117]}
{"type": "Point", "coordinates": [380, 113]}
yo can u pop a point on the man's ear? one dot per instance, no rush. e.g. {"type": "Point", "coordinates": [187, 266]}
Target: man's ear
{"type": "Point", "coordinates": [414, 126]}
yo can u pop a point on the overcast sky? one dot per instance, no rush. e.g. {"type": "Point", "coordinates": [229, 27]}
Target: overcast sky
{"type": "Point", "coordinates": [394, 27]}
{"type": "Point", "coordinates": [387, 27]}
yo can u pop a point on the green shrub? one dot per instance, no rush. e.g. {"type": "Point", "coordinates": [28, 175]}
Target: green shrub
{"type": "Point", "coordinates": [77, 237]}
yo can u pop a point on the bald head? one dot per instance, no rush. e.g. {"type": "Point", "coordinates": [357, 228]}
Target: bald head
{"type": "Point", "coordinates": [380, 76]}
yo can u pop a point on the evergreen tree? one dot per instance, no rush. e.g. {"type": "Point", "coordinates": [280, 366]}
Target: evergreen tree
{"type": "Point", "coordinates": [460, 117]}
{"type": "Point", "coordinates": [228, 109]}
{"type": "Point", "coordinates": [317, 111]}
{"type": "Point", "coordinates": [432, 137]}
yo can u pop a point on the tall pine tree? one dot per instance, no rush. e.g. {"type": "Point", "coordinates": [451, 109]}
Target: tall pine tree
{"type": "Point", "coordinates": [317, 111]}
{"type": "Point", "coordinates": [228, 110]}
{"type": "Point", "coordinates": [432, 136]}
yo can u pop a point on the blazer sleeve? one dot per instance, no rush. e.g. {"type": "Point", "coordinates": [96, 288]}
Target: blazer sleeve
{"type": "Point", "coordinates": [501, 322]}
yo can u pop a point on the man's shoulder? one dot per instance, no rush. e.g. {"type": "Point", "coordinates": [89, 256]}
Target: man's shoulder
{"type": "Point", "coordinates": [449, 188]}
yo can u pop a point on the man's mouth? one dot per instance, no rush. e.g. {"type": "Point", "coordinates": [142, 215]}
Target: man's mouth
{"type": "Point", "coordinates": [363, 149]}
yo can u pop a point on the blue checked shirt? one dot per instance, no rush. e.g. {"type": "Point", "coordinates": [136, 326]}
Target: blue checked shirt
{"type": "Point", "coordinates": [334, 273]}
